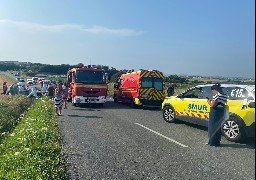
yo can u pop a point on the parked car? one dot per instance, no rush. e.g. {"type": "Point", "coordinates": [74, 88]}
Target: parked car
{"type": "Point", "coordinates": [35, 79]}
{"type": "Point", "coordinates": [191, 106]}
{"type": "Point", "coordinates": [29, 80]}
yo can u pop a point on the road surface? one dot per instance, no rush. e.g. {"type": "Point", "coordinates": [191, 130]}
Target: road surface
{"type": "Point", "coordinates": [118, 142]}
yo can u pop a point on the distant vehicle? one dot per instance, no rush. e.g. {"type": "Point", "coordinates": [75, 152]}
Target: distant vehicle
{"type": "Point", "coordinates": [191, 106]}
{"type": "Point", "coordinates": [17, 74]}
{"type": "Point", "coordinates": [35, 79]}
{"type": "Point", "coordinates": [42, 79]}
{"type": "Point", "coordinates": [29, 80]}
{"type": "Point", "coordinates": [143, 88]}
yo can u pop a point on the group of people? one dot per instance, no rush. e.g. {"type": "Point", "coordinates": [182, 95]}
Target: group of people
{"type": "Point", "coordinates": [14, 89]}
{"type": "Point", "coordinates": [56, 92]}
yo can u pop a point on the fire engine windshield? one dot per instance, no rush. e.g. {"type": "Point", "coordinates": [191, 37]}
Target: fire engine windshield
{"type": "Point", "coordinates": [94, 77]}
{"type": "Point", "coordinates": [148, 82]}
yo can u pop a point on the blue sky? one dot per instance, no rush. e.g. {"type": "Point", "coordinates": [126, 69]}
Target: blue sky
{"type": "Point", "coordinates": [193, 37]}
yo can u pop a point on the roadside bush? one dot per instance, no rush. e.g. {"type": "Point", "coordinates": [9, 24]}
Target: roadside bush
{"type": "Point", "coordinates": [11, 108]}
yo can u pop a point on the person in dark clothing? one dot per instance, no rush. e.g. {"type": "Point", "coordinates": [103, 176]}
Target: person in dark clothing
{"type": "Point", "coordinates": [217, 111]}
{"type": "Point", "coordinates": [170, 90]}
{"type": "Point", "coordinates": [5, 87]}
{"type": "Point", "coordinates": [50, 91]}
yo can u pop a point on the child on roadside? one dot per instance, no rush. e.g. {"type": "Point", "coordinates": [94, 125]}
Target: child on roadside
{"type": "Point", "coordinates": [65, 94]}
{"type": "Point", "coordinates": [58, 99]}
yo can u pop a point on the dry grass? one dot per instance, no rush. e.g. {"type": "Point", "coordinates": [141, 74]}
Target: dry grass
{"type": "Point", "coordinates": [7, 79]}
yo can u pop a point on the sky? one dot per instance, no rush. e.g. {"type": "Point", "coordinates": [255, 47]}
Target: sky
{"type": "Point", "coordinates": [182, 37]}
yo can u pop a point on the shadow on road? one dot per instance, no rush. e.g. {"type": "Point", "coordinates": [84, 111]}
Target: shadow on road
{"type": "Point", "coordinates": [248, 143]}
{"type": "Point", "coordinates": [84, 116]}
{"type": "Point", "coordinates": [110, 104]}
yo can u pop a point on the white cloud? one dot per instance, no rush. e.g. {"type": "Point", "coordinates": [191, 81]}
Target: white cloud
{"type": "Point", "coordinates": [35, 27]}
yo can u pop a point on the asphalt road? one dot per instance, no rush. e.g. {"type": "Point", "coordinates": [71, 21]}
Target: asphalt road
{"type": "Point", "coordinates": [118, 142]}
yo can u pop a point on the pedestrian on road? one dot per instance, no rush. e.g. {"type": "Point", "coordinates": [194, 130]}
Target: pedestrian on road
{"type": "Point", "coordinates": [65, 94]}
{"type": "Point", "coordinates": [50, 90]}
{"type": "Point", "coordinates": [217, 113]}
{"type": "Point", "coordinates": [58, 99]}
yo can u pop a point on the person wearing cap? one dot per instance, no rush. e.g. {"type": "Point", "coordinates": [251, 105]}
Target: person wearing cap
{"type": "Point", "coordinates": [217, 113]}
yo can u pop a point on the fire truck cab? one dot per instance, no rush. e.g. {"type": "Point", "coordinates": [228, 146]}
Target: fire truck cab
{"type": "Point", "coordinates": [142, 88]}
{"type": "Point", "coordinates": [87, 85]}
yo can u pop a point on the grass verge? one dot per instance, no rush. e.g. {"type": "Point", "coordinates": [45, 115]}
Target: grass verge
{"type": "Point", "coordinates": [33, 150]}
{"type": "Point", "coordinates": [11, 108]}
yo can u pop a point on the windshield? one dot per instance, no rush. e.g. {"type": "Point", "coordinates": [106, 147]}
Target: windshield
{"type": "Point", "coordinates": [85, 76]}
{"type": "Point", "coordinates": [148, 82]}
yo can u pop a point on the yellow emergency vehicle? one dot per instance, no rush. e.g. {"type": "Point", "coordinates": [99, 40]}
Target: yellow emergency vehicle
{"type": "Point", "coordinates": [191, 106]}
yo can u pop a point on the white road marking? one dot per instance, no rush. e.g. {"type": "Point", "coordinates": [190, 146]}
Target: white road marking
{"type": "Point", "coordinates": [162, 135]}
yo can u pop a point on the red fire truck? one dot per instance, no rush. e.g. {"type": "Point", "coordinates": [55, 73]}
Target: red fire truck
{"type": "Point", "coordinates": [143, 88]}
{"type": "Point", "coordinates": [87, 85]}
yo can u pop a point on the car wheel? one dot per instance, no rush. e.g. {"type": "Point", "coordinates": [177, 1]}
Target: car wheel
{"type": "Point", "coordinates": [115, 99]}
{"type": "Point", "coordinates": [232, 129]}
{"type": "Point", "coordinates": [169, 114]}
{"type": "Point", "coordinates": [100, 104]}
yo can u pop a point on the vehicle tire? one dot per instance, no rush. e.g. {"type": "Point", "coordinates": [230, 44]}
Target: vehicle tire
{"type": "Point", "coordinates": [100, 104]}
{"type": "Point", "coordinates": [115, 99]}
{"type": "Point", "coordinates": [169, 114]}
{"type": "Point", "coordinates": [232, 129]}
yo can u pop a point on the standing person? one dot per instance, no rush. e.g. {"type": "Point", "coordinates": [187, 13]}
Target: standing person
{"type": "Point", "coordinates": [58, 99]}
{"type": "Point", "coordinates": [217, 112]}
{"type": "Point", "coordinates": [50, 90]}
{"type": "Point", "coordinates": [5, 87]}
{"type": "Point", "coordinates": [170, 90]}
{"type": "Point", "coordinates": [44, 87]}
{"type": "Point", "coordinates": [65, 94]}
{"type": "Point", "coordinates": [33, 91]}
